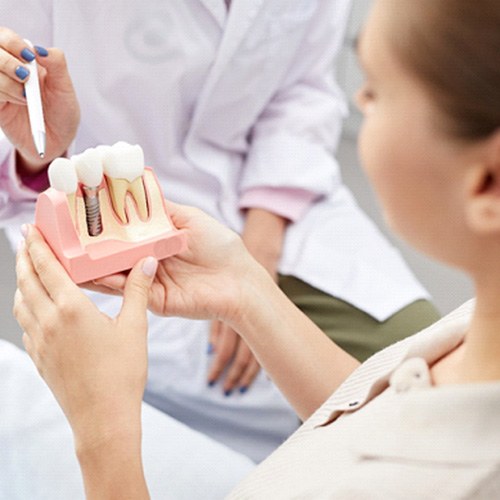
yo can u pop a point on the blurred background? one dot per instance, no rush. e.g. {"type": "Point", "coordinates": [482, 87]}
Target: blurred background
{"type": "Point", "coordinates": [449, 288]}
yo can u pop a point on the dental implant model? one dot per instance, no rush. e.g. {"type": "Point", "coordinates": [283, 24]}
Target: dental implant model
{"type": "Point", "coordinates": [104, 211]}
{"type": "Point", "coordinates": [89, 170]}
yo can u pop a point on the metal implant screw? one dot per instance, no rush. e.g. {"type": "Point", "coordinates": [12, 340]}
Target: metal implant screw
{"type": "Point", "coordinates": [92, 211]}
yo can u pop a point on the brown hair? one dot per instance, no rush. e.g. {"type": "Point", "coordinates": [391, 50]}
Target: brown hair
{"type": "Point", "coordinates": [453, 47]}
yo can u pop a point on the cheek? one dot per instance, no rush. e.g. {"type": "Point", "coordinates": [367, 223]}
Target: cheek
{"type": "Point", "coordinates": [388, 163]}
{"type": "Point", "coordinates": [378, 157]}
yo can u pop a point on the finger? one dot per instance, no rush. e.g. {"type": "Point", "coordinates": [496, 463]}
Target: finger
{"type": "Point", "coordinates": [14, 56]}
{"type": "Point", "coordinates": [34, 294]}
{"type": "Point", "coordinates": [95, 287]}
{"type": "Point", "coordinates": [213, 337]}
{"type": "Point", "coordinates": [15, 46]}
{"type": "Point", "coordinates": [224, 352]}
{"type": "Point", "coordinates": [53, 276]}
{"type": "Point", "coordinates": [249, 375]}
{"type": "Point", "coordinates": [23, 314]}
{"type": "Point", "coordinates": [181, 215]}
{"type": "Point", "coordinates": [136, 293]}
{"type": "Point", "coordinates": [238, 366]}
{"type": "Point", "coordinates": [14, 74]}
{"type": "Point", "coordinates": [28, 346]}
{"type": "Point", "coordinates": [55, 64]}
{"type": "Point", "coordinates": [11, 90]}
{"type": "Point", "coordinates": [8, 98]}
{"type": "Point", "coordinates": [114, 282]}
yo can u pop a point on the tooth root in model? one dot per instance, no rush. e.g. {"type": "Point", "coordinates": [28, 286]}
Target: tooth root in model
{"type": "Point", "coordinates": [124, 168]}
{"type": "Point", "coordinates": [136, 187]}
{"type": "Point", "coordinates": [89, 170]}
{"type": "Point", "coordinates": [118, 189]}
{"type": "Point", "coordinates": [62, 177]}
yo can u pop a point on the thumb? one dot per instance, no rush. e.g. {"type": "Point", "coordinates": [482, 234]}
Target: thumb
{"type": "Point", "coordinates": [136, 292]}
{"type": "Point", "coordinates": [55, 64]}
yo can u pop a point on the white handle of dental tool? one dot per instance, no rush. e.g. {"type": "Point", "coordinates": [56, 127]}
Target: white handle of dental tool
{"type": "Point", "coordinates": [35, 109]}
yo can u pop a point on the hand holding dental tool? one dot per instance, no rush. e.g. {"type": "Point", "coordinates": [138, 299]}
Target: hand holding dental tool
{"type": "Point", "coordinates": [97, 228]}
{"type": "Point", "coordinates": [35, 109]}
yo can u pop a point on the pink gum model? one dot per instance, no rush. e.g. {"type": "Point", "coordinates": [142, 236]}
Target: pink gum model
{"type": "Point", "coordinates": [120, 246]}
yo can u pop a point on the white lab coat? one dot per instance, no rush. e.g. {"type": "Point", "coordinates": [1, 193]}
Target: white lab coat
{"type": "Point", "coordinates": [221, 104]}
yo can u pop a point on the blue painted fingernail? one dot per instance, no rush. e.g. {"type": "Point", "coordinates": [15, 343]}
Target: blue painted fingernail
{"type": "Point", "coordinates": [211, 383]}
{"type": "Point", "coordinates": [41, 51]}
{"type": "Point", "coordinates": [22, 72]}
{"type": "Point", "coordinates": [227, 393]}
{"type": "Point", "coordinates": [243, 389]}
{"type": "Point", "coordinates": [210, 348]}
{"type": "Point", "coordinates": [27, 55]}
{"type": "Point", "coordinates": [24, 92]}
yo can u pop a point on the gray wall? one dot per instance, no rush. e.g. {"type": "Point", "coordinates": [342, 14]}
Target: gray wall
{"type": "Point", "coordinates": [9, 329]}
{"type": "Point", "coordinates": [448, 287]}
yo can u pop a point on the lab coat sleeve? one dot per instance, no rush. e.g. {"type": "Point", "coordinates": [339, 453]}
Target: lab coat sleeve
{"type": "Point", "coordinates": [32, 20]}
{"type": "Point", "coordinates": [287, 202]}
{"type": "Point", "coordinates": [293, 142]}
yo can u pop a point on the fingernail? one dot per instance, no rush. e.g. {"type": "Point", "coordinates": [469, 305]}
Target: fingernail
{"type": "Point", "coordinates": [149, 267]}
{"type": "Point", "coordinates": [210, 348]}
{"type": "Point", "coordinates": [24, 92]}
{"type": "Point", "coordinates": [228, 393]}
{"type": "Point", "coordinates": [22, 72]}
{"type": "Point", "coordinates": [24, 230]}
{"type": "Point", "coordinates": [211, 383]}
{"type": "Point", "coordinates": [243, 389]}
{"type": "Point", "coordinates": [41, 51]}
{"type": "Point", "coordinates": [27, 55]}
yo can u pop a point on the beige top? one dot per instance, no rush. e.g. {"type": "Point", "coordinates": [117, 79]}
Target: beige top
{"type": "Point", "coordinates": [387, 433]}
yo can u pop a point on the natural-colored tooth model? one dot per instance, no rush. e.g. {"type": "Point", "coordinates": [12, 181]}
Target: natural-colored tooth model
{"type": "Point", "coordinates": [89, 170]}
{"type": "Point", "coordinates": [124, 168]}
{"type": "Point", "coordinates": [62, 177]}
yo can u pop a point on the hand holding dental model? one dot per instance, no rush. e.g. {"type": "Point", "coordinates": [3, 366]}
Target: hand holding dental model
{"type": "Point", "coordinates": [104, 211]}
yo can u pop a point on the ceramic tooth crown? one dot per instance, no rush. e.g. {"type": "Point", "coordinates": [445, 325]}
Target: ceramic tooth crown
{"type": "Point", "coordinates": [89, 167]}
{"type": "Point", "coordinates": [62, 175]}
{"type": "Point", "coordinates": [102, 149]}
{"type": "Point", "coordinates": [124, 168]}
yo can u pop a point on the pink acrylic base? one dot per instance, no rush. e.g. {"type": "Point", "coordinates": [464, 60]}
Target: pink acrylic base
{"type": "Point", "coordinates": [95, 260]}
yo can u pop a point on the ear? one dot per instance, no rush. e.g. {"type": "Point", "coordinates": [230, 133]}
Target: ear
{"type": "Point", "coordinates": [483, 189]}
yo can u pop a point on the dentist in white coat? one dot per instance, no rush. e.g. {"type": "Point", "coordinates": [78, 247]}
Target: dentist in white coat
{"type": "Point", "coordinates": [236, 109]}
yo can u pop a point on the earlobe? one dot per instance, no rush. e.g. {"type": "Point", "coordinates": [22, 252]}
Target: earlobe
{"type": "Point", "coordinates": [483, 215]}
{"type": "Point", "coordinates": [482, 200]}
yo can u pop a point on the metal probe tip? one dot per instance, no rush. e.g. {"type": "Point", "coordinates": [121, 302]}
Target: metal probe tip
{"type": "Point", "coordinates": [42, 155]}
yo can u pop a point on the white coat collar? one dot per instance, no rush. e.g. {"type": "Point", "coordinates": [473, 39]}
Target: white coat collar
{"type": "Point", "coordinates": [235, 24]}
{"type": "Point", "coordinates": [218, 10]}
{"type": "Point", "coordinates": [242, 15]}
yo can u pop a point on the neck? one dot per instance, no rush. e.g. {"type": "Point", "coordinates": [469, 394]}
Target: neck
{"type": "Point", "coordinates": [480, 356]}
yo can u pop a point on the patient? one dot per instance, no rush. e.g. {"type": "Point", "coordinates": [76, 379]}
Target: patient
{"type": "Point", "coordinates": [417, 418]}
